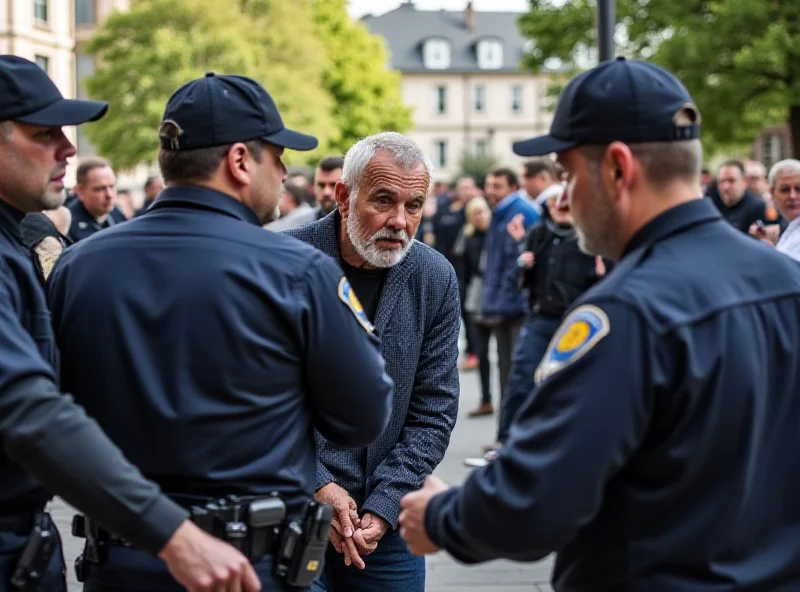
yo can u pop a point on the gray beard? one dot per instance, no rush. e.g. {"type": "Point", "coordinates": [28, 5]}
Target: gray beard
{"type": "Point", "coordinates": [368, 249]}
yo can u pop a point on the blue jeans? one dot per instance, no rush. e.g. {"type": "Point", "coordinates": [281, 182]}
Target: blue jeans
{"type": "Point", "coordinates": [390, 568]}
{"type": "Point", "coordinates": [532, 344]}
{"type": "Point", "coordinates": [11, 546]}
{"type": "Point", "coordinates": [129, 569]}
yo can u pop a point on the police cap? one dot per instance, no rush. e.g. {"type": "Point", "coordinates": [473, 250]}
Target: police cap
{"type": "Point", "coordinates": [28, 95]}
{"type": "Point", "coordinates": [218, 110]}
{"type": "Point", "coordinates": [619, 100]}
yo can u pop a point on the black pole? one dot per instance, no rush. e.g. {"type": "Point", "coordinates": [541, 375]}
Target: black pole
{"type": "Point", "coordinates": [606, 20]}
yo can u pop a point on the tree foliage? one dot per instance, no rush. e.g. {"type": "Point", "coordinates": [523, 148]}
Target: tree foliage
{"type": "Point", "coordinates": [740, 59]}
{"type": "Point", "coordinates": [366, 92]}
{"type": "Point", "coordinates": [145, 54]}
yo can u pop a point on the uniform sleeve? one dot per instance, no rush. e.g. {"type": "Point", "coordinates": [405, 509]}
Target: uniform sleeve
{"type": "Point", "coordinates": [52, 439]}
{"type": "Point", "coordinates": [587, 415]}
{"type": "Point", "coordinates": [350, 392]}
{"type": "Point", "coordinates": [431, 415]}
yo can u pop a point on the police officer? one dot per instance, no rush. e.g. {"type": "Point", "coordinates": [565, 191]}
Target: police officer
{"type": "Point", "coordinates": [659, 450]}
{"type": "Point", "coordinates": [225, 345]}
{"type": "Point", "coordinates": [48, 445]}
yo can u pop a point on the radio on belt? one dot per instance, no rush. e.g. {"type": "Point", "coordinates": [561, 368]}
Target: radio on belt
{"type": "Point", "coordinates": [301, 553]}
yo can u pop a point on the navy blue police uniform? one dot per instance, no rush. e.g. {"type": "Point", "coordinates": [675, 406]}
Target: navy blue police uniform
{"type": "Point", "coordinates": [224, 344]}
{"type": "Point", "coordinates": [85, 225]}
{"type": "Point", "coordinates": [47, 443]}
{"type": "Point", "coordinates": [658, 450]}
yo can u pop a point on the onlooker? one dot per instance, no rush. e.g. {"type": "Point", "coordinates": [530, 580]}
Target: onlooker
{"type": "Point", "coordinates": [756, 175]}
{"type": "Point", "coordinates": [299, 180]}
{"type": "Point", "coordinates": [327, 174]}
{"type": "Point", "coordinates": [152, 187]}
{"type": "Point", "coordinates": [738, 206]}
{"type": "Point", "coordinates": [503, 304]}
{"type": "Point", "coordinates": [540, 181]}
{"type": "Point", "coordinates": [94, 209]}
{"type": "Point", "coordinates": [471, 252]}
{"type": "Point", "coordinates": [554, 272]}
{"type": "Point", "coordinates": [706, 180]}
{"type": "Point", "coordinates": [784, 182]}
{"type": "Point", "coordinates": [294, 208]}
{"type": "Point", "coordinates": [124, 202]}
{"type": "Point", "coordinates": [447, 224]}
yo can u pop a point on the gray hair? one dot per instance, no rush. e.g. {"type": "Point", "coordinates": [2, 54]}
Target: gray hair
{"type": "Point", "coordinates": [404, 150]}
{"type": "Point", "coordinates": [790, 165]}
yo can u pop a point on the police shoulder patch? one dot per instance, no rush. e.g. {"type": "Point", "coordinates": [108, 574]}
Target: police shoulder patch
{"type": "Point", "coordinates": [583, 328]}
{"type": "Point", "coordinates": [348, 296]}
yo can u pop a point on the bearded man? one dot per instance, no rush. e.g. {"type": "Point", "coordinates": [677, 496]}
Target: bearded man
{"type": "Point", "coordinates": [409, 295]}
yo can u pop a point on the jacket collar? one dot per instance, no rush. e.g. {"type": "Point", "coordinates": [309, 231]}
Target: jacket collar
{"type": "Point", "coordinates": [506, 201]}
{"type": "Point", "coordinates": [326, 239]}
{"type": "Point", "coordinates": [204, 198]}
{"type": "Point", "coordinates": [697, 211]}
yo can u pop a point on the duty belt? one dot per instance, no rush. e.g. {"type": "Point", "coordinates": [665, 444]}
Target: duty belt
{"type": "Point", "coordinates": [254, 525]}
{"type": "Point", "coordinates": [250, 524]}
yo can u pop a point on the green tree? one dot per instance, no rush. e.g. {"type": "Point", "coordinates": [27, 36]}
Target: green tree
{"type": "Point", "coordinates": [366, 91]}
{"type": "Point", "coordinates": [740, 59]}
{"type": "Point", "coordinates": [148, 52]}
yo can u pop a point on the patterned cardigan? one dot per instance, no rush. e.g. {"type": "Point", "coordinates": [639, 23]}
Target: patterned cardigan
{"type": "Point", "coordinates": [418, 321]}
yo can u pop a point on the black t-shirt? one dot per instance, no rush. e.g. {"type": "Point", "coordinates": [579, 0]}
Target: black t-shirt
{"type": "Point", "coordinates": [367, 284]}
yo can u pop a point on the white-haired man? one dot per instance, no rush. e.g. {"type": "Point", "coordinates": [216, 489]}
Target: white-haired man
{"type": "Point", "coordinates": [409, 292]}
{"type": "Point", "coordinates": [784, 185]}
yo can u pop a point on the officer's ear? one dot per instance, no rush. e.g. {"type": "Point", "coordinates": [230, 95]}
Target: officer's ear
{"type": "Point", "coordinates": [619, 167]}
{"type": "Point", "coordinates": [341, 193]}
{"type": "Point", "coordinates": [238, 163]}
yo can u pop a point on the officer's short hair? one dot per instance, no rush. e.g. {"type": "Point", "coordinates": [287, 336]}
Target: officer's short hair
{"type": "Point", "coordinates": [405, 151]}
{"type": "Point", "coordinates": [734, 163]}
{"type": "Point", "coordinates": [184, 166]}
{"type": "Point", "coordinates": [510, 175]}
{"type": "Point", "coordinates": [789, 165]}
{"type": "Point", "coordinates": [5, 129]}
{"type": "Point", "coordinates": [86, 166]}
{"type": "Point", "coordinates": [663, 162]}
{"type": "Point", "coordinates": [331, 163]}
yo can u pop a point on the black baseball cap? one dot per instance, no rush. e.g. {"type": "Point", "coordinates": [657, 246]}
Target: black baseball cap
{"type": "Point", "coordinates": [218, 110]}
{"type": "Point", "coordinates": [28, 95]}
{"type": "Point", "coordinates": [618, 101]}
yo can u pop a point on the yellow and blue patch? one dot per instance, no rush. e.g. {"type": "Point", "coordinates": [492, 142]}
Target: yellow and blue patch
{"type": "Point", "coordinates": [579, 333]}
{"type": "Point", "coordinates": [348, 296]}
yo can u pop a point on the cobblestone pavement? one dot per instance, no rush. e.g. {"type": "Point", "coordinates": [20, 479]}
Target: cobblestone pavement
{"type": "Point", "coordinates": [444, 574]}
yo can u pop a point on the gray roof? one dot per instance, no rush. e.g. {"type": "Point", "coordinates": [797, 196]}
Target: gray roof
{"type": "Point", "coordinates": [406, 28]}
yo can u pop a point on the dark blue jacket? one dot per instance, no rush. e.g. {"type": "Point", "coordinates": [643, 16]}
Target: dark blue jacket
{"type": "Point", "coordinates": [84, 225]}
{"type": "Point", "coordinates": [659, 450]}
{"type": "Point", "coordinates": [502, 296]}
{"type": "Point", "coordinates": [209, 348]}
{"type": "Point", "coordinates": [418, 319]}
{"type": "Point", "coordinates": [47, 444]}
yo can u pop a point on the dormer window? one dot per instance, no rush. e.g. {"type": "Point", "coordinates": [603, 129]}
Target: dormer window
{"type": "Point", "coordinates": [490, 54]}
{"type": "Point", "coordinates": [436, 54]}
